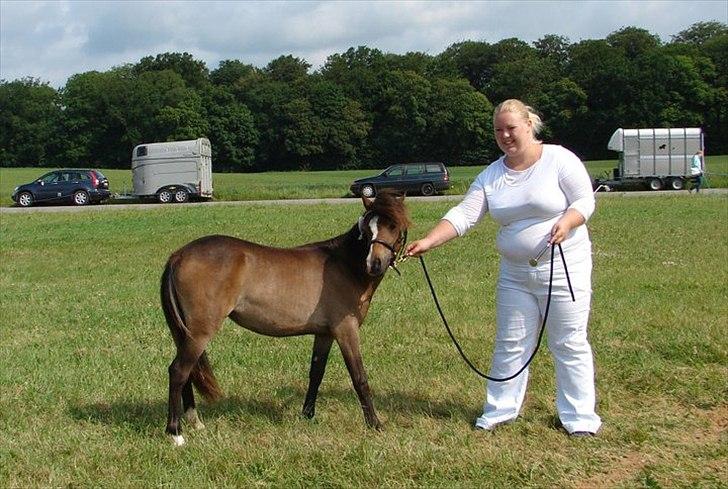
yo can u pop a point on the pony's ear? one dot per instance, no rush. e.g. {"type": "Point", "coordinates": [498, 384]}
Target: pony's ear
{"type": "Point", "coordinates": [368, 202]}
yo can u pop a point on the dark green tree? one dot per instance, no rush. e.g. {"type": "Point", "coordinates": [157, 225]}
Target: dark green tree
{"type": "Point", "coordinates": [460, 126]}
{"type": "Point", "coordinates": [416, 62]}
{"type": "Point", "coordinates": [29, 114]}
{"type": "Point", "coordinates": [701, 32]}
{"type": "Point", "coordinates": [474, 61]}
{"type": "Point", "coordinates": [232, 131]}
{"type": "Point", "coordinates": [193, 72]}
{"type": "Point", "coordinates": [633, 41]}
{"type": "Point", "coordinates": [287, 69]}
{"type": "Point", "coordinates": [230, 72]}
{"type": "Point", "coordinates": [399, 129]}
{"type": "Point", "coordinates": [358, 72]}
{"type": "Point", "coordinates": [605, 74]}
{"type": "Point", "coordinates": [95, 120]}
{"type": "Point", "coordinates": [555, 49]}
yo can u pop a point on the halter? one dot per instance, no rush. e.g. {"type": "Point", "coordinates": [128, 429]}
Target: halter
{"type": "Point", "coordinates": [397, 256]}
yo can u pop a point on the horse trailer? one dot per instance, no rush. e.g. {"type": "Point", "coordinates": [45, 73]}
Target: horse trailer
{"type": "Point", "coordinates": [657, 158]}
{"type": "Point", "coordinates": [173, 171]}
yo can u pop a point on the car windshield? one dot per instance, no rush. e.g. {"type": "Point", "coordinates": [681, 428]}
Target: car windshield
{"type": "Point", "coordinates": [99, 175]}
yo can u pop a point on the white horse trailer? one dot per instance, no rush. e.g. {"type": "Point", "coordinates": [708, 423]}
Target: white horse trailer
{"type": "Point", "coordinates": [659, 158]}
{"type": "Point", "coordinates": [172, 171]}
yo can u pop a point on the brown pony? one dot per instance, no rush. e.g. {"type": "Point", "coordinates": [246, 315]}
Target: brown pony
{"type": "Point", "coordinates": [323, 289]}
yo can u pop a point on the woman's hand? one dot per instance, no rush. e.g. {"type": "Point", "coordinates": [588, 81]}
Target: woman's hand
{"type": "Point", "coordinates": [571, 219]}
{"type": "Point", "coordinates": [416, 248]}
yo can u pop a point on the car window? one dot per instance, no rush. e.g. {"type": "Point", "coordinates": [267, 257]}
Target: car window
{"type": "Point", "coordinates": [73, 177]}
{"type": "Point", "coordinates": [434, 169]}
{"type": "Point", "coordinates": [414, 170]}
{"type": "Point", "coordinates": [49, 178]}
{"type": "Point", "coordinates": [395, 171]}
{"type": "Point", "coordinates": [84, 176]}
{"type": "Point", "coordinates": [99, 175]}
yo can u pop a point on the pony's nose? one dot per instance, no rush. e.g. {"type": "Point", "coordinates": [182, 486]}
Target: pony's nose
{"type": "Point", "coordinates": [376, 268]}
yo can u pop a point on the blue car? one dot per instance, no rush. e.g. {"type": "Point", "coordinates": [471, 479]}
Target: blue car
{"type": "Point", "coordinates": [76, 186]}
{"type": "Point", "coordinates": [409, 178]}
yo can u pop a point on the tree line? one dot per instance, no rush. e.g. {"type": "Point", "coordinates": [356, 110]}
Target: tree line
{"type": "Point", "coordinates": [366, 109]}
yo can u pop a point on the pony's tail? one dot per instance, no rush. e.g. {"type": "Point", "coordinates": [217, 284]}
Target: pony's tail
{"type": "Point", "coordinates": [201, 375]}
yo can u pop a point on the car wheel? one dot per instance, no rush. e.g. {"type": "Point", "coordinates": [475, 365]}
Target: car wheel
{"type": "Point", "coordinates": [427, 189]}
{"type": "Point", "coordinates": [181, 196]}
{"type": "Point", "coordinates": [677, 183]}
{"type": "Point", "coordinates": [654, 184]}
{"type": "Point", "coordinates": [25, 199]}
{"type": "Point", "coordinates": [164, 196]}
{"type": "Point", "coordinates": [367, 191]}
{"type": "Point", "coordinates": [80, 197]}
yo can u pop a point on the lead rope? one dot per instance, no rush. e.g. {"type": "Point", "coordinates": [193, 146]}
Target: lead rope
{"type": "Point", "coordinates": [540, 334]}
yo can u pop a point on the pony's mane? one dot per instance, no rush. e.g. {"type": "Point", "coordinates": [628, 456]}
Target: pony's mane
{"type": "Point", "coordinates": [390, 205]}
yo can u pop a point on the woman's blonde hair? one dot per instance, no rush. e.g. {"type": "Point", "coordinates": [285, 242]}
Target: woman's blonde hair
{"type": "Point", "coordinates": [525, 111]}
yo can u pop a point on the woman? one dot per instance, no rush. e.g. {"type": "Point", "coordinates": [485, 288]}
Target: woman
{"type": "Point", "coordinates": [540, 195]}
{"type": "Point", "coordinates": [696, 171]}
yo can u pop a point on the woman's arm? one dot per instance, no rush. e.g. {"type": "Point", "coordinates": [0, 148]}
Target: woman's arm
{"type": "Point", "coordinates": [576, 184]}
{"type": "Point", "coordinates": [443, 232]}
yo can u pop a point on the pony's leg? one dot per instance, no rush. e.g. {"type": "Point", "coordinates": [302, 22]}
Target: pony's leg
{"type": "Point", "coordinates": [347, 336]}
{"type": "Point", "coordinates": [179, 373]}
{"type": "Point", "coordinates": [179, 376]}
{"type": "Point", "coordinates": [319, 357]}
{"type": "Point", "coordinates": [188, 405]}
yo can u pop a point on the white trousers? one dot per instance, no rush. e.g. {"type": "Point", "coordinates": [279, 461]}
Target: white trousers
{"type": "Point", "coordinates": [521, 297]}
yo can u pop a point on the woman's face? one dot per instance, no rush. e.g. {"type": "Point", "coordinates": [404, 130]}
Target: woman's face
{"type": "Point", "coordinates": [512, 133]}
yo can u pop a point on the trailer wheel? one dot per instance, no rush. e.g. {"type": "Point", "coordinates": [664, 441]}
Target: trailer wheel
{"type": "Point", "coordinates": [677, 183]}
{"type": "Point", "coordinates": [164, 196]}
{"type": "Point", "coordinates": [181, 196]}
{"type": "Point", "coordinates": [654, 184]}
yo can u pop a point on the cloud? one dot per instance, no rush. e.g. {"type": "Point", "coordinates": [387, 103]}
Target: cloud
{"type": "Point", "coordinates": [52, 40]}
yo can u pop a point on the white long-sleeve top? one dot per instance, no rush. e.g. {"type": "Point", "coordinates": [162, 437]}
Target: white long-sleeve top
{"type": "Point", "coordinates": [528, 203]}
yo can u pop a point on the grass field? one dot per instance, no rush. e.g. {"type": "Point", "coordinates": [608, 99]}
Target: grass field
{"type": "Point", "coordinates": [320, 184]}
{"type": "Point", "coordinates": [85, 354]}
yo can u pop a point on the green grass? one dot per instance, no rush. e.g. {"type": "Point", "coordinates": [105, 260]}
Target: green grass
{"type": "Point", "coordinates": [85, 355]}
{"type": "Point", "coordinates": [302, 185]}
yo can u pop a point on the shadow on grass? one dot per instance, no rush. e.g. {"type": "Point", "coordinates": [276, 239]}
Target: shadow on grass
{"type": "Point", "coordinates": [144, 416]}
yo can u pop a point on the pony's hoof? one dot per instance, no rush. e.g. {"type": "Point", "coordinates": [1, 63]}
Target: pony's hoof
{"type": "Point", "coordinates": [376, 425]}
{"type": "Point", "coordinates": [178, 440]}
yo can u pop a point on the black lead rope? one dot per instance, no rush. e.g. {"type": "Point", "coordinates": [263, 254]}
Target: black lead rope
{"type": "Point", "coordinates": [540, 334]}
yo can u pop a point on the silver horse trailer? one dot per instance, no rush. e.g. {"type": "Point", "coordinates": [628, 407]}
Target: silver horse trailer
{"type": "Point", "coordinates": [658, 158]}
{"type": "Point", "coordinates": [172, 171]}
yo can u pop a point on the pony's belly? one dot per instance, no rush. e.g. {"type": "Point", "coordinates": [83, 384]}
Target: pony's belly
{"type": "Point", "coordinates": [280, 325]}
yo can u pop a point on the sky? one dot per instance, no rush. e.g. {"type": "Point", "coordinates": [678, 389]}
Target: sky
{"type": "Point", "coordinates": [52, 40]}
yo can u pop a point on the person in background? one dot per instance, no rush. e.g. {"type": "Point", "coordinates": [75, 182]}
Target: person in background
{"type": "Point", "coordinates": [696, 171]}
{"type": "Point", "coordinates": [541, 195]}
